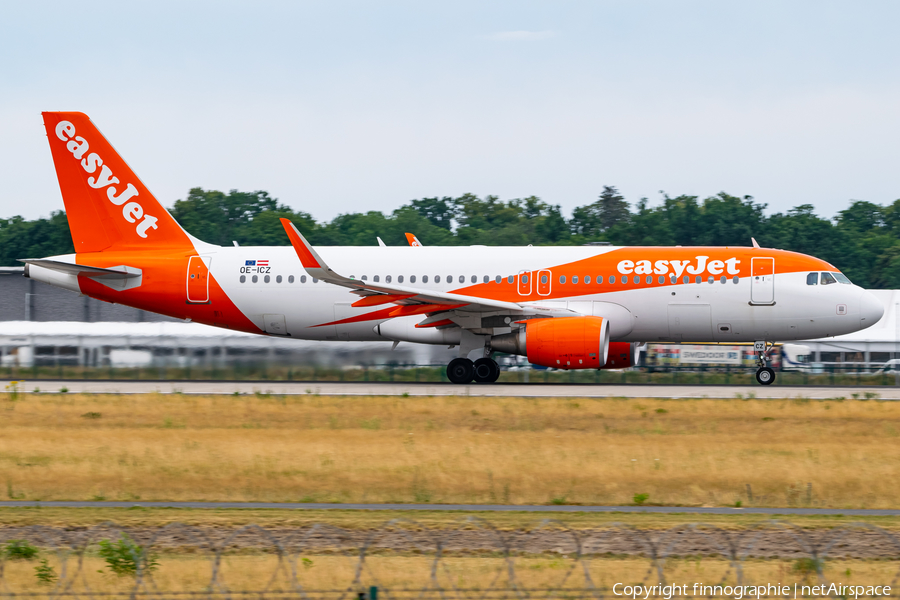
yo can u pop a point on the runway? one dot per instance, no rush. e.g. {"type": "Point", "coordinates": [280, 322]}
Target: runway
{"type": "Point", "coordinates": [536, 508]}
{"type": "Point", "coordinates": [529, 390]}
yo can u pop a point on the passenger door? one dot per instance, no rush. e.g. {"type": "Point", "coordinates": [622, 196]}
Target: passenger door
{"type": "Point", "coordinates": [198, 279]}
{"type": "Point", "coordinates": [762, 281]}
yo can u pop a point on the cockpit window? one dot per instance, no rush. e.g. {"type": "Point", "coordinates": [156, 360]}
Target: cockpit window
{"type": "Point", "coordinates": [842, 278]}
{"type": "Point", "coordinates": [812, 279]}
{"type": "Point", "coordinates": [827, 279]}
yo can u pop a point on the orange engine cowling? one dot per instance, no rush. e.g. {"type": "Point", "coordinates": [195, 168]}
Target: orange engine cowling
{"type": "Point", "coordinates": [561, 343]}
{"type": "Point", "coordinates": [621, 355]}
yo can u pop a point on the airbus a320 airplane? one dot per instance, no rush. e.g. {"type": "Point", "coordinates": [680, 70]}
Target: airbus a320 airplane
{"type": "Point", "coordinates": [562, 307]}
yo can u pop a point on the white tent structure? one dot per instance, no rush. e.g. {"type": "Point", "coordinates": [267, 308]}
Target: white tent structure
{"type": "Point", "coordinates": [180, 344]}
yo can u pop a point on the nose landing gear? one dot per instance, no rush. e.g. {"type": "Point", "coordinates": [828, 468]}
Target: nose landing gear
{"type": "Point", "coordinates": [765, 375]}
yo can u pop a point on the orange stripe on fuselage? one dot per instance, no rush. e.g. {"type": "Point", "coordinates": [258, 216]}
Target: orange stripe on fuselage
{"type": "Point", "coordinates": [606, 264]}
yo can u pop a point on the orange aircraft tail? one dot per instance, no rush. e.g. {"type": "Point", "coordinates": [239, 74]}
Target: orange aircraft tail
{"type": "Point", "coordinates": [108, 207]}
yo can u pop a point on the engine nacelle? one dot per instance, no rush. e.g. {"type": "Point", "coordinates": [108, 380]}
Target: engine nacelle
{"type": "Point", "coordinates": [621, 355]}
{"type": "Point", "coordinates": [561, 343]}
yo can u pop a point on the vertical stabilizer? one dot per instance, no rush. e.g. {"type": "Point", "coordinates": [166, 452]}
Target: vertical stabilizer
{"type": "Point", "coordinates": [108, 207]}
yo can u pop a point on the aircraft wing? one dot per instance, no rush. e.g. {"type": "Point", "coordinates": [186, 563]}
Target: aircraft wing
{"type": "Point", "coordinates": [374, 294]}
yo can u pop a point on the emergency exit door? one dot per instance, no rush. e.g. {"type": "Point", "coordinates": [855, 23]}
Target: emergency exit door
{"type": "Point", "coordinates": [543, 282]}
{"type": "Point", "coordinates": [198, 279]}
{"type": "Point", "coordinates": [762, 281]}
{"type": "Point", "coordinates": [524, 283]}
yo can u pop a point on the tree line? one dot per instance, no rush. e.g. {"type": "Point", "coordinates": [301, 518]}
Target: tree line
{"type": "Point", "coordinates": [863, 240]}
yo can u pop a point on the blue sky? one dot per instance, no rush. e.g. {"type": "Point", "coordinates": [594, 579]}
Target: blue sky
{"type": "Point", "coordinates": [349, 106]}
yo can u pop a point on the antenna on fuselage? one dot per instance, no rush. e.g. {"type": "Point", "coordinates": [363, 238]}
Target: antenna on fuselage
{"type": "Point", "coordinates": [380, 241]}
{"type": "Point", "coordinates": [755, 243]}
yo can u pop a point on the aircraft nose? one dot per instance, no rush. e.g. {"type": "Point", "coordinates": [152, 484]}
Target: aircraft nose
{"type": "Point", "coordinates": [870, 309]}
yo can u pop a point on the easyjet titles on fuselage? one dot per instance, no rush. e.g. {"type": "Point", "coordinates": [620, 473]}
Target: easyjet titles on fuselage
{"type": "Point", "coordinates": [132, 211]}
{"type": "Point", "coordinates": [663, 267]}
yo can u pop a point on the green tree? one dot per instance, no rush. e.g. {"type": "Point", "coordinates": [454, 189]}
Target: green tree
{"type": "Point", "coordinates": [608, 211]}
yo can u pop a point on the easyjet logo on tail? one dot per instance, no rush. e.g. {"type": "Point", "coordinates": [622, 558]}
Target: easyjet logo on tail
{"type": "Point", "coordinates": [663, 267]}
{"type": "Point", "coordinates": [132, 211]}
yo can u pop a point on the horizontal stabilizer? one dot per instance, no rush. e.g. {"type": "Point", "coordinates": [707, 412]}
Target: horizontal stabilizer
{"type": "Point", "coordinates": [119, 272]}
{"type": "Point", "coordinates": [118, 278]}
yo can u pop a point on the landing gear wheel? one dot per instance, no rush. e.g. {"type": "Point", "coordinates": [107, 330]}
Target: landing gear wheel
{"type": "Point", "coordinates": [460, 370]}
{"type": "Point", "coordinates": [765, 376]}
{"type": "Point", "coordinates": [486, 370]}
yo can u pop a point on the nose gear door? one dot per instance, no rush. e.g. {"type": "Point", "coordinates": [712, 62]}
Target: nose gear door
{"type": "Point", "coordinates": [762, 281]}
{"type": "Point", "coordinates": [198, 279]}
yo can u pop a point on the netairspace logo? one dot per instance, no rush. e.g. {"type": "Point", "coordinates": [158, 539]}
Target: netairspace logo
{"type": "Point", "coordinates": [738, 592]}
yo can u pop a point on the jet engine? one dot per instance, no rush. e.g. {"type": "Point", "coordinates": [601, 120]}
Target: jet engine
{"type": "Point", "coordinates": [561, 343]}
{"type": "Point", "coordinates": [621, 355]}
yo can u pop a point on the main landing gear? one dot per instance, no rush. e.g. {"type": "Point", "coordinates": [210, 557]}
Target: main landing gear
{"type": "Point", "coordinates": [463, 370]}
{"type": "Point", "coordinates": [765, 375]}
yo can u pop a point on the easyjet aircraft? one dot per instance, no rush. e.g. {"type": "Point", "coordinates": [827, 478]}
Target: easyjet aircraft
{"type": "Point", "coordinates": [562, 307]}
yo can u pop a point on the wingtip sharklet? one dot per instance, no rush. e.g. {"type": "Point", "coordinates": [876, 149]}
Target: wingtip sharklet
{"type": "Point", "coordinates": [308, 257]}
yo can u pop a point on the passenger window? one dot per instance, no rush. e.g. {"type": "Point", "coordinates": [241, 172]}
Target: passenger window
{"type": "Point", "coordinates": [498, 279]}
{"type": "Point", "coordinates": [510, 279]}
{"type": "Point", "coordinates": [637, 278]}
{"type": "Point", "coordinates": [587, 279]}
{"type": "Point", "coordinates": [600, 279]}
{"type": "Point", "coordinates": [462, 278]}
{"type": "Point", "coordinates": [662, 278]}
{"type": "Point", "coordinates": [437, 278]}
{"type": "Point", "coordinates": [812, 279]}
{"type": "Point", "coordinates": [524, 278]}
{"type": "Point", "coordinates": [387, 278]}
{"type": "Point", "coordinates": [562, 278]}
{"type": "Point", "coordinates": [736, 279]}
{"type": "Point", "coordinates": [376, 279]}
{"type": "Point", "coordinates": [315, 280]}
{"type": "Point", "coordinates": [672, 278]}
{"type": "Point", "coordinates": [699, 279]}
{"type": "Point", "coordinates": [412, 278]}
{"type": "Point", "coordinates": [474, 278]}
{"type": "Point", "coordinates": [255, 279]}
{"type": "Point", "coordinates": [399, 278]}
{"type": "Point", "coordinates": [424, 278]}
{"type": "Point", "coordinates": [711, 279]}
{"type": "Point", "coordinates": [303, 279]}
{"type": "Point", "coordinates": [612, 278]}
{"type": "Point", "coordinates": [364, 278]}
{"type": "Point", "coordinates": [290, 279]}
{"type": "Point", "coordinates": [486, 279]}
{"type": "Point", "coordinates": [243, 278]}
{"type": "Point", "coordinates": [574, 278]}
{"type": "Point", "coordinates": [686, 279]}
{"type": "Point", "coordinates": [723, 279]}
{"type": "Point", "coordinates": [827, 279]}
{"type": "Point", "coordinates": [267, 279]}
{"type": "Point", "coordinates": [543, 279]}
{"type": "Point", "coordinates": [649, 279]}
{"type": "Point", "coordinates": [278, 279]}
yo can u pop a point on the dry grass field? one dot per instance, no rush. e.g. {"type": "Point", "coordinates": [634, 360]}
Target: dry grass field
{"type": "Point", "coordinates": [836, 453]}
